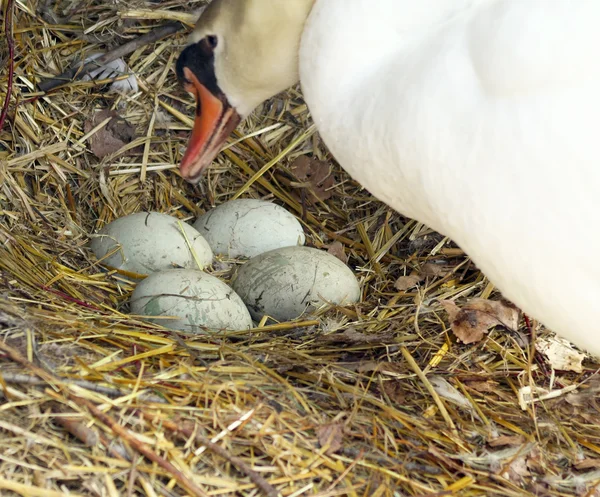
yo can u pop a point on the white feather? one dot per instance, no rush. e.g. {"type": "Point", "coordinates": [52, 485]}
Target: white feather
{"type": "Point", "coordinates": [478, 118]}
{"type": "Point", "coordinates": [114, 69]}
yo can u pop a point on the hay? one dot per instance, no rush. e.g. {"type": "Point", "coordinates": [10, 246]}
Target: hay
{"type": "Point", "coordinates": [377, 399]}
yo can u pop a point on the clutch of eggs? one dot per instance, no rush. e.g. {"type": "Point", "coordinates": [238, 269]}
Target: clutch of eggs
{"type": "Point", "coordinates": [282, 279]}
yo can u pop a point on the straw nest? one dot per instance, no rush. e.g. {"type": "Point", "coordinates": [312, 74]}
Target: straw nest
{"type": "Point", "coordinates": [376, 399]}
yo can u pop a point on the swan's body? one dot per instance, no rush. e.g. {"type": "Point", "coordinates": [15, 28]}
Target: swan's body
{"type": "Point", "coordinates": [475, 117]}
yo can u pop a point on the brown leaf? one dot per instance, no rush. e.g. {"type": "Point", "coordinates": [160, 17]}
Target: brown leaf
{"type": "Point", "coordinates": [315, 175]}
{"type": "Point", "coordinates": [337, 249]}
{"type": "Point", "coordinates": [506, 440]}
{"type": "Point", "coordinates": [434, 269]}
{"type": "Point", "coordinates": [535, 461]}
{"type": "Point", "coordinates": [483, 386]}
{"type": "Point", "coordinates": [114, 135]}
{"type": "Point", "coordinates": [394, 389]}
{"type": "Point", "coordinates": [588, 464]}
{"type": "Point", "coordinates": [478, 316]}
{"type": "Point", "coordinates": [301, 167]}
{"type": "Point", "coordinates": [405, 282]}
{"type": "Point", "coordinates": [352, 335]}
{"type": "Point", "coordinates": [331, 436]}
{"type": "Point", "coordinates": [375, 366]}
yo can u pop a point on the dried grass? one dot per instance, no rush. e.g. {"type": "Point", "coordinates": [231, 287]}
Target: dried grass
{"type": "Point", "coordinates": [378, 399]}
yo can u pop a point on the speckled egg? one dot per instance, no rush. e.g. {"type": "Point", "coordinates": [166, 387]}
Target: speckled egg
{"type": "Point", "coordinates": [146, 242]}
{"type": "Point", "coordinates": [200, 302]}
{"type": "Point", "coordinates": [287, 282]}
{"type": "Point", "coordinates": [249, 227]}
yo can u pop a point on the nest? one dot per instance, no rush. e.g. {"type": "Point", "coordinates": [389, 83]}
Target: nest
{"type": "Point", "coordinates": [375, 399]}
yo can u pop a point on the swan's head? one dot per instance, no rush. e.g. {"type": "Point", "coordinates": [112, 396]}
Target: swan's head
{"type": "Point", "coordinates": [242, 52]}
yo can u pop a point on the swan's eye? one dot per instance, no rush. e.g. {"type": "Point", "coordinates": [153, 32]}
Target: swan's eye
{"type": "Point", "coordinates": [212, 41]}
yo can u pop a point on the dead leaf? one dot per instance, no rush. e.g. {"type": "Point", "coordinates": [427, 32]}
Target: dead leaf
{"type": "Point", "coordinates": [535, 461]}
{"type": "Point", "coordinates": [314, 175]}
{"type": "Point", "coordinates": [351, 335]}
{"type": "Point", "coordinates": [354, 336]}
{"type": "Point", "coordinates": [483, 386]}
{"type": "Point", "coordinates": [478, 316]}
{"type": "Point", "coordinates": [588, 464]}
{"type": "Point", "coordinates": [337, 249]}
{"type": "Point", "coordinates": [561, 354]}
{"type": "Point", "coordinates": [301, 167]}
{"type": "Point", "coordinates": [114, 135]}
{"type": "Point", "coordinates": [405, 282]}
{"type": "Point", "coordinates": [516, 470]}
{"type": "Point", "coordinates": [331, 436]}
{"type": "Point", "coordinates": [506, 440]}
{"type": "Point", "coordinates": [434, 269]}
{"type": "Point", "coordinates": [378, 367]}
{"type": "Point", "coordinates": [394, 389]}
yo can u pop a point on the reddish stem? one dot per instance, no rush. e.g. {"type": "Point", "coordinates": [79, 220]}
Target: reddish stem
{"type": "Point", "coordinates": [71, 299]}
{"type": "Point", "coordinates": [11, 59]}
{"type": "Point", "coordinates": [528, 324]}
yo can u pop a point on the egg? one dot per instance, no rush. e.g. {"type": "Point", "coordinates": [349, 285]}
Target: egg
{"type": "Point", "coordinates": [249, 227]}
{"type": "Point", "coordinates": [287, 282]}
{"type": "Point", "coordinates": [202, 303]}
{"type": "Point", "coordinates": [146, 242]}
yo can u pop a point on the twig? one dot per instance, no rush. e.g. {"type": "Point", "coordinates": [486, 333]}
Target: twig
{"type": "Point", "coordinates": [182, 432]}
{"type": "Point", "coordinates": [75, 427]}
{"type": "Point", "coordinates": [187, 433]}
{"type": "Point", "coordinates": [81, 69]}
{"type": "Point", "coordinates": [71, 299]}
{"type": "Point", "coordinates": [142, 448]}
{"type": "Point", "coordinates": [119, 430]}
{"type": "Point", "coordinates": [24, 379]}
{"type": "Point", "coordinates": [8, 18]}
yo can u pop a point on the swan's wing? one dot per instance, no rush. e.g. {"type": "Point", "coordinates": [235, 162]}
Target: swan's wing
{"type": "Point", "coordinates": [522, 47]}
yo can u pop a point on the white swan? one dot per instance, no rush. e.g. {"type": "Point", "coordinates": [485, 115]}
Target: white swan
{"type": "Point", "coordinates": [478, 118]}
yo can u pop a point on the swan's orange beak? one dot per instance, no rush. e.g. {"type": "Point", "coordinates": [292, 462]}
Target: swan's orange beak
{"type": "Point", "coordinates": [215, 121]}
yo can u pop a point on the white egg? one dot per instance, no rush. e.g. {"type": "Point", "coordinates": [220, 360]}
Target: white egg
{"type": "Point", "coordinates": [146, 242]}
{"type": "Point", "coordinates": [287, 282]}
{"type": "Point", "coordinates": [201, 302]}
{"type": "Point", "coordinates": [249, 227]}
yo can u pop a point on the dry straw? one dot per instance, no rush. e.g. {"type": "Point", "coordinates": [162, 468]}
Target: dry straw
{"type": "Point", "coordinates": [376, 399]}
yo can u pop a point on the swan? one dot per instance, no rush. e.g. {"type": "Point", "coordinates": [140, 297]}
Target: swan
{"type": "Point", "coordinates": [478, 118]}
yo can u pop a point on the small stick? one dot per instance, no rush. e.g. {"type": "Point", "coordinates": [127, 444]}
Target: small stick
{"type": "Point", "coordinates": [186, 433]}
{"type": "Point", "coordinates": [71, 299]}
{"type": "Point", "coordinates": [23, 379]}
{"type": "Point", "coordinates": [75, 427]}
{"type": "Point", "coordinates": [8, 17]}
{"type": "Point", "coordinates": [81, 69]}
{"type": "Point", "coordinates": [142, 447]}
{"type": "Point", "coordinates": [119, 430]}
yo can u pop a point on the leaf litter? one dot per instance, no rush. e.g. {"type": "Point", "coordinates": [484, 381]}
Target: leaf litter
{"type": "Point", "coordinates": [471, 322]}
